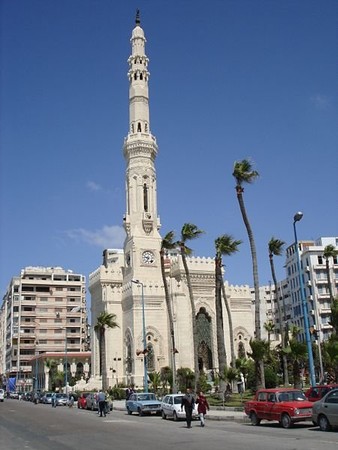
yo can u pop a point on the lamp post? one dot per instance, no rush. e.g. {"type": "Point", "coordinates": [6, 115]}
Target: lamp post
{"type": "Point", "coordinates": [66, 362]}
{"type": "Point", "coordinates": [145, 372]}
{"type": "Point", "coordinates": [297, 217]}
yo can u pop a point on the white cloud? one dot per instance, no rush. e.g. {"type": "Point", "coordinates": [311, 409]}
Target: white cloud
{"type": "Point", "coordinates": [92, 186]}
{"type": "Point", "coordinates": [108, 237]}
{"type": "Point", "coordinates": [320, 101]}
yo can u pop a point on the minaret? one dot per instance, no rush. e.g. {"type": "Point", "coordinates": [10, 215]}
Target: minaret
{"type": "Point", "coordinates": [141, 222]}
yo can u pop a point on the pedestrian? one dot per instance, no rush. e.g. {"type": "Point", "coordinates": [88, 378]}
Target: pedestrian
{"type": "Point", "coordinates": [101, 398]}
{"type": "Point", "coordinates": [188, 403]}
{"type": "Point", "coordinates": [130, 390]}
{"type": "Point", "coordinates": [54, 400]}
{"type": "Point", "coordinates": [202, 407]}
{"type": "Point", "coordinates": [71, 401]}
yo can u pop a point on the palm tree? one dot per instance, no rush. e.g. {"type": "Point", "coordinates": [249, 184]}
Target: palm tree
{"type": "Point", "coordinates": [243, 173]}
{"type": "Point", "coordinates": [168, 244]}
{"type": "Point", "coordinates": [329, 252]}
{"type": "Point", "coordinates": [269, 328]}
{"type": "Point", "coordinates": [104, 320]}
{"type": "Point", "coordinates": [155, 379]}
{"type": "Point", "coordinates": [225, 245]}
{"type": "Point", "coordinates": [190, 231]}
{"type": "Point", "coordinates": [259, 350]}
{"type": "Point", "coordinates": [276, 249]}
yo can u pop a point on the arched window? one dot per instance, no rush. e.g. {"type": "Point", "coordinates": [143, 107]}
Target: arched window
{"type": "Point", "coordinates": [139, 127]}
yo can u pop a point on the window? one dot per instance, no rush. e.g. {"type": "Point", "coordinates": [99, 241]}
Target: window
{"type": "Point", "coordinates": [320, 259]}
{"type": "Point", "coordinates": [58, 299]}
{"type": "Point", "coordinates": [262, 397]}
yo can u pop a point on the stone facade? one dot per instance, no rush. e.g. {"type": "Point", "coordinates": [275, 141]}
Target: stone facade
{"type": "Point", "coordinates": [129, 282]}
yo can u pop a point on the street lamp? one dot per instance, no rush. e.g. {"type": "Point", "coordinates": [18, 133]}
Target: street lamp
{"type": "Point", "coordinates": [297, 217]}
{"type": "Point", "coordinates": [145, 372]}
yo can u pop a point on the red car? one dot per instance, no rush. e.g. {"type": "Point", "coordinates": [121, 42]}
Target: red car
{"type": "Point", "coordinates": [82, 400]}
{"type": "Point", "coordinates": [287, 406]}
{"type": "Point", "coordinates": [313, 394]}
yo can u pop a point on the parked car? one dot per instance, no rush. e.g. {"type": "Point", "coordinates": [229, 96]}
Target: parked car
{"type": "Point", "coordinates": [325, 411]}
{"type": "Point", "coordinates": [143, 403]}
{"type": "Point", "coordinates": [287, 406]}
{"type": "Point", "coordinates": [315, 393]}
{"type": "Point", "coordinates": [171, 407]}
{"type": "Point", "coordinates": [2, 395]}
{"type": "Point", "coordinates": [61, 399]}
{"type": "Point", "coordinates": [93, 404]}
{"type": "Point", "coordinates": [14, 394]}
{"type": "Point", "coordinates": [46, 399]}
{"type": "Point", "coordinates": [82, 400]}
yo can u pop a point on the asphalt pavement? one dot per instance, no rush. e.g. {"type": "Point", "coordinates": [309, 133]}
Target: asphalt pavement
{"type": "Point", "coordinates": [215, 413]}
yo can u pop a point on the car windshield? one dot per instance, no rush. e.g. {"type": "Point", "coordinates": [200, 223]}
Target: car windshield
{"type": "Point", "coordinates": [144, 397]}
{"type": "Point", "coordinates": [178, 400]}
{"type": "Point", "coordinates": [291, 396]}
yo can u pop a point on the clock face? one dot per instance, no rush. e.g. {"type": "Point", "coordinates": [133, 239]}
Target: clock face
{"type": "Point", "coordinates": [148, 257]}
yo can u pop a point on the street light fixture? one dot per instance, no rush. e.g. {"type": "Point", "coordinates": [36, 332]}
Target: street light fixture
{"type": "Point", "coordinates": [145, 372]}
{"type": "Point", "coordinates": [297, 217]}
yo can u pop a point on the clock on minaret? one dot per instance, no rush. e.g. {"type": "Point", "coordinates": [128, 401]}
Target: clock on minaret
{"type": "Point", "coordinates": [148, 257]}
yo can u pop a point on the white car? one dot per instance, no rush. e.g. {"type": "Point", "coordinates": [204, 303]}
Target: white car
{"type": "Point", "coordinates": [171, 407]}
{"type": "Point", "coordinates": [2, 395]}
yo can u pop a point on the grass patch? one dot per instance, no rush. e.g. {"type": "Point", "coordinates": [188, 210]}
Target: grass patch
{"type": "Point", "coordinates": [235, 400]}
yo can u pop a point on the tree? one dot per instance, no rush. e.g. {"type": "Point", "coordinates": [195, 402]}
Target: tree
{"type": "Point", "coordinates": [168, 244]}
{"type": "Point", "coordinates": [276, 249]}
{"type": "Point", "coordinates": [269, 327]}
{"type": "Point", "coordinates": [189, 232]}
{"type": "Point", "coordinates": [225, 245]}
{"type": "Point", "coordinates": [259, 350]}
{"type": "Point", "coordinates": [104, 320]}
{"type": "Point", "coordinates": [244, 173]}
{"type": "Point", "coordinates": [329, 252]}
{"type": "Point", "coordinates": [155, 380]}
{"type": "Point", "coordinates": [297, 352]}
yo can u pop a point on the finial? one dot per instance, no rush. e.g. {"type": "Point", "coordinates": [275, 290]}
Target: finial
{"type": "Point", "coordinates": [137, 20]}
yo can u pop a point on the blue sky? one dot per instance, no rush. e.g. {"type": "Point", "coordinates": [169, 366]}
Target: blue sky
{"type": "Point", "coordinates": [229, 80]}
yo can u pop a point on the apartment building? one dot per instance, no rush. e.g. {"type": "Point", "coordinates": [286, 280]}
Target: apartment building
{"type": "Point", "coordinates": [43, 310]}
{"type": "Point", "coordinates": [316, 286]}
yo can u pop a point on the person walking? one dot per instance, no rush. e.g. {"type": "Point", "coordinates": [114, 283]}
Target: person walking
{"type": "Point", "coordinates": [188, 403]}
{"type": "Point", "coordinates": [202, 407]}
{"type": "Point", "coordinates": [101, 398]}
{"type": "Point", "coordinates": [54, 400]}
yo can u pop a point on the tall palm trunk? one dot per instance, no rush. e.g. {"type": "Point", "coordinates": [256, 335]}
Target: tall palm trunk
{"type": "Point", "coordinates": [281, 323]}
{"type": "Point", "coordinates": [193, 315]}
{"type": "Point", "coordinates": [171, 321]}
{"type": "Point", "coordinates": [231, 329]}
{"type": "Point", "coordinates": [219, 322]}
{"type": "Point", "coordinates": [260, 377]}
{"type": "Point", "coordinates": [103, 367]}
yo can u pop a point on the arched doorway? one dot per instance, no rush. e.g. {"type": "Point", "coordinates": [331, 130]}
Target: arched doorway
{"type": "Point", "coordinates": [204, 340]}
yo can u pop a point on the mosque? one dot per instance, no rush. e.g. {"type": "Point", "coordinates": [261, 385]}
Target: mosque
{"type": "Point", "coordinates": [129, 282]}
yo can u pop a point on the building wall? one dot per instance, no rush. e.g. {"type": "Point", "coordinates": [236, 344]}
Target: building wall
{"type": "Point", "coordinates": [45, 311]}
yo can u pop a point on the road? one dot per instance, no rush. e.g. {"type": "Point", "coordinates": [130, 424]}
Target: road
{"type": "Point", "coordinates": [24, 425]}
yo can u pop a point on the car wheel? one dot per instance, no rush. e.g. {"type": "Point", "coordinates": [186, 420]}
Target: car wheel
{"type": "Point", "coordinates": [254, 419]}
{"type": "Point", "coordinates": [129, 412]}
{"type": "Point", "coordinates": [163, 415]}
{"type": "Point", "coordinates": [324, 423]}
{"type": "Point", "coordinates": [286, 421]}
{"type": "Point", "coordinates": [140, 413]}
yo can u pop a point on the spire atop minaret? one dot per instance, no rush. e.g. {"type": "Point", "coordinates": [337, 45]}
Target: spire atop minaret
{"type": "Point", "coordinates": [137, 20]}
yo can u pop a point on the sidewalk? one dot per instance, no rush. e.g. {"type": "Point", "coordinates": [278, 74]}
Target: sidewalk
{"type": "Point", "coordinates": [226, 413]}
